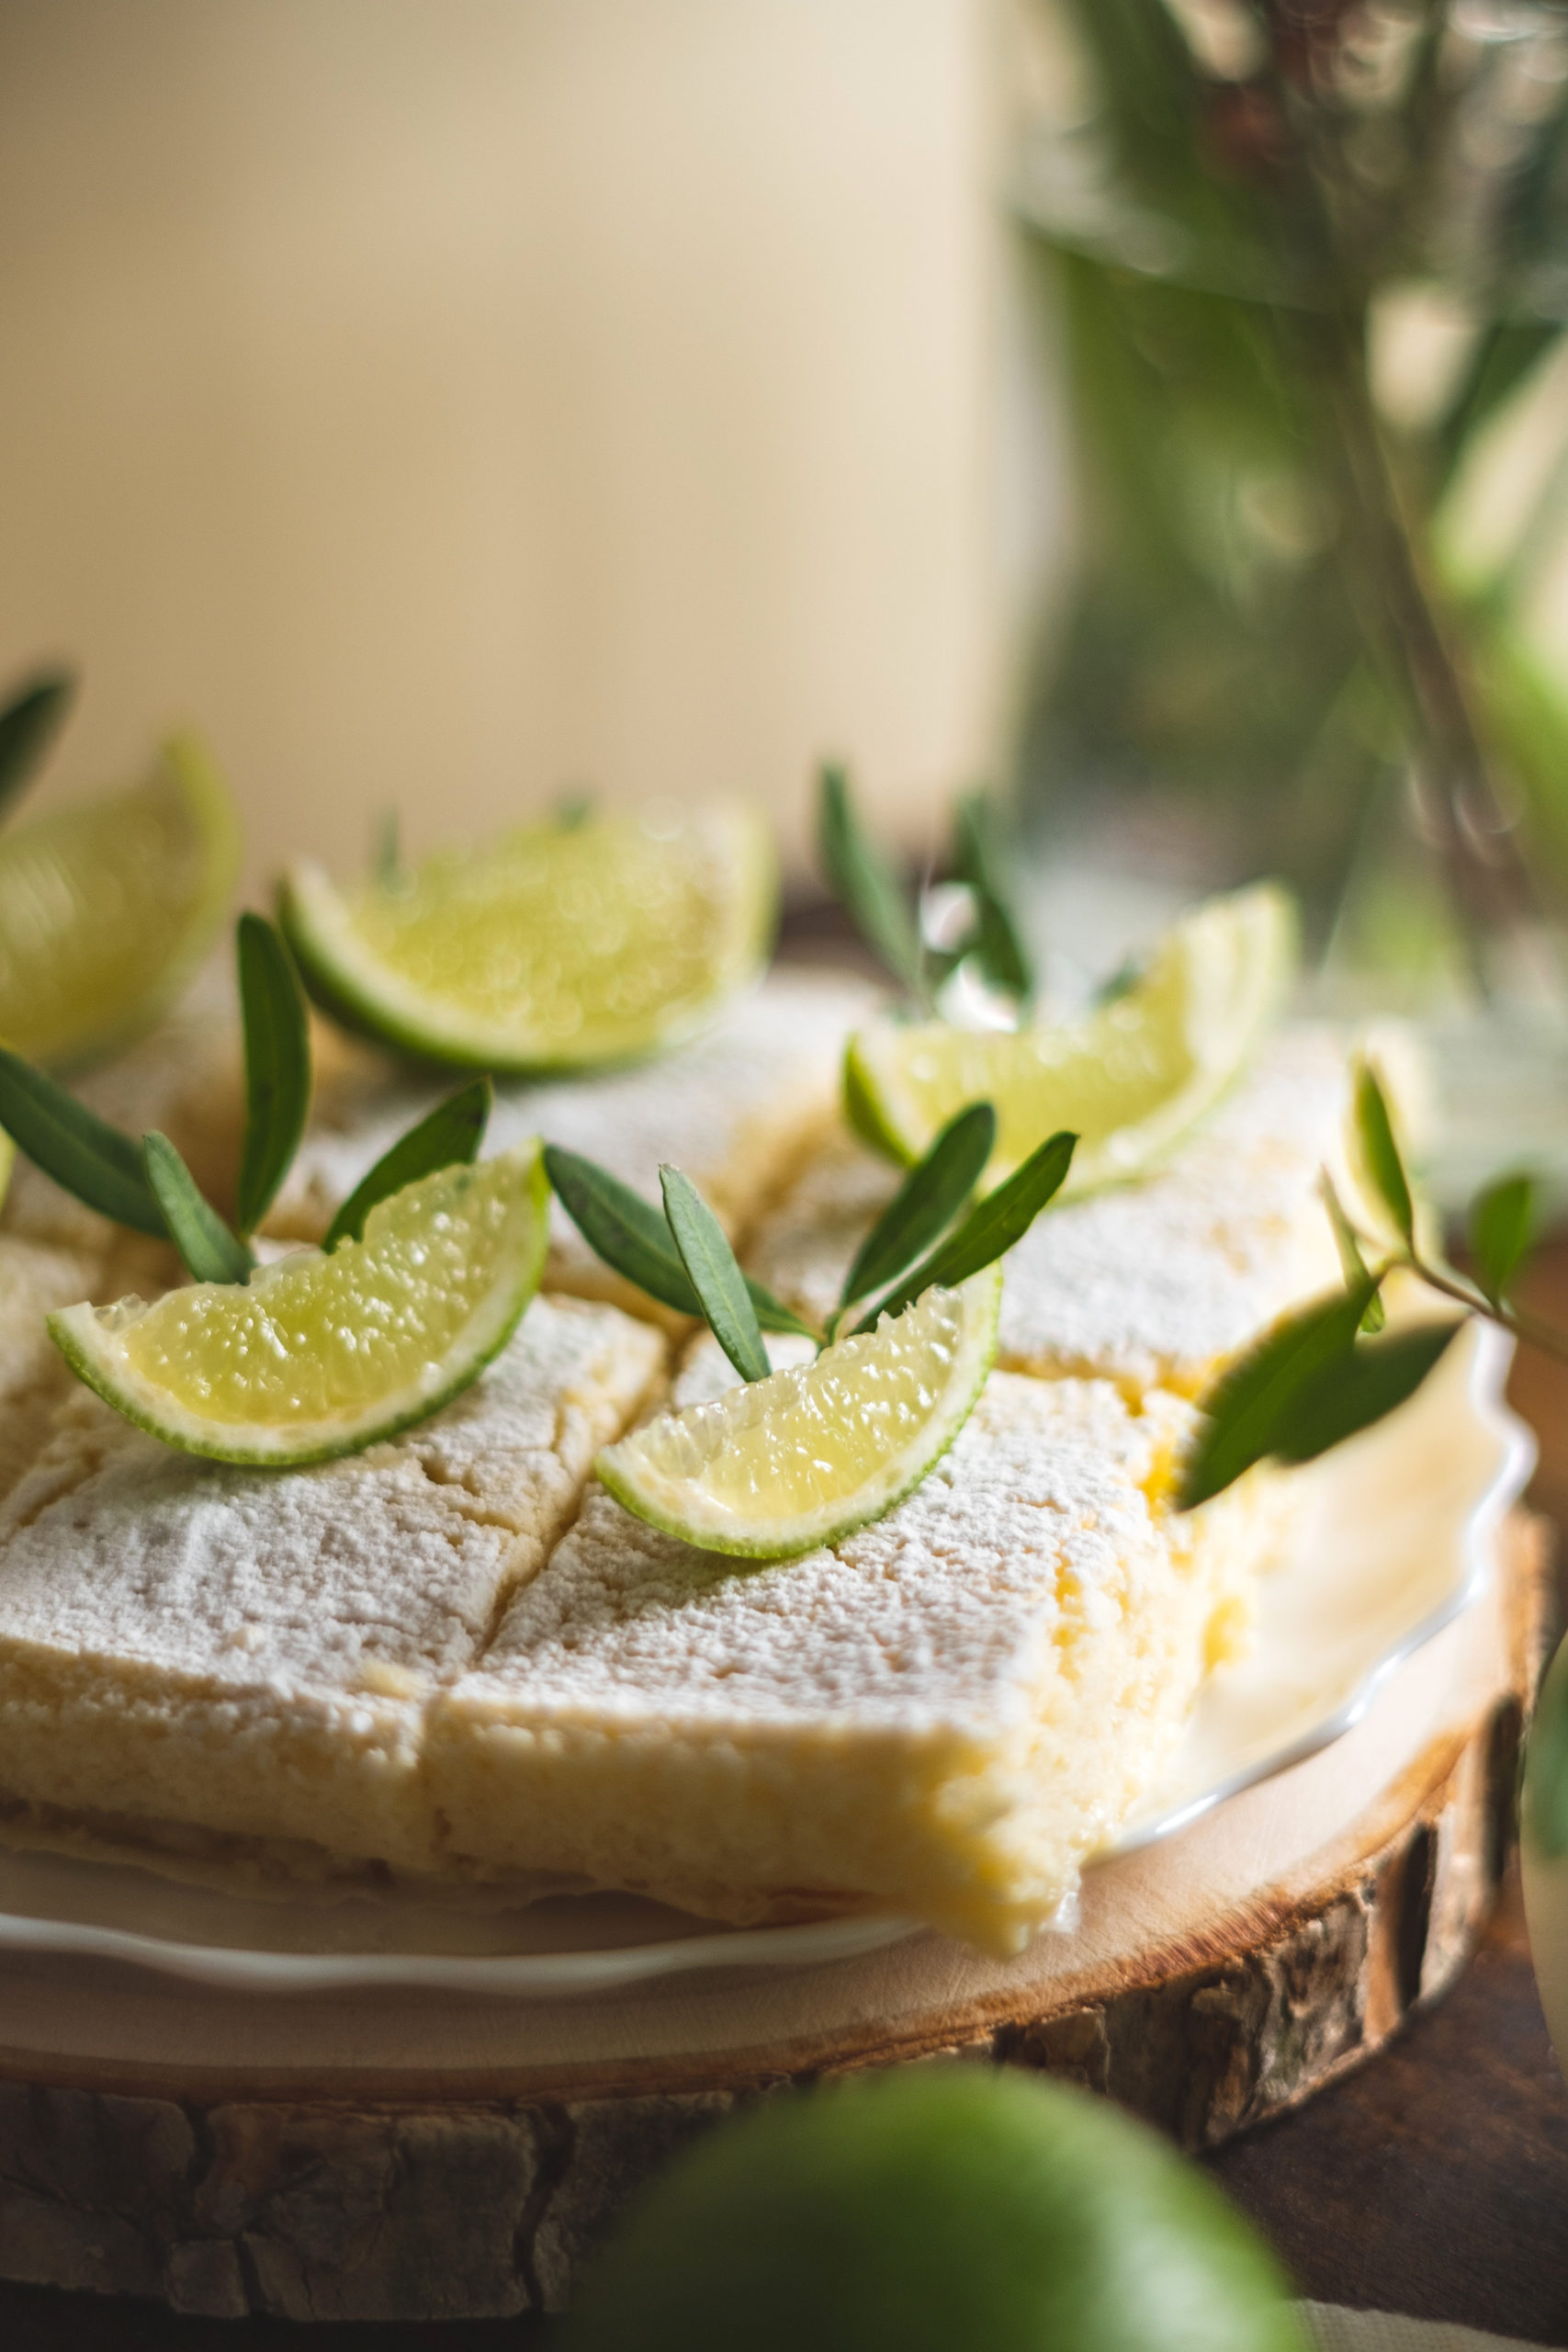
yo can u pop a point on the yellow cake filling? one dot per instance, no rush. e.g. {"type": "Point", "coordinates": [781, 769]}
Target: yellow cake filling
{"type": "Point", "coordinates": [941, 1715]}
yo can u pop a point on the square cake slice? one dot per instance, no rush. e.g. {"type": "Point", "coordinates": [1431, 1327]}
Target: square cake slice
{"type": "Point", "coordinates": [34, 1279]}
{"type": "Point", "coordinates": [231, 1664]}
{"type": "Point", "coordinates": [737, 1108]}
{"type": "Point", "coordinates": [1154, 1284]}
{"type": "Point", "coordinates": [939, 1716]}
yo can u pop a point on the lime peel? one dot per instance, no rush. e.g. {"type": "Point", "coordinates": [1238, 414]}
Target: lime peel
{"type": "Point", "coordinates": [321, 1355]}
{"type": "Point", "coordinates": [107, 908]}
{"type": "Point", "coordinates": [554, 948]}
{"type": "Point", "coordinates": [778, 1466]}
{"type": "Point", "coordinates": [1130, 1080]}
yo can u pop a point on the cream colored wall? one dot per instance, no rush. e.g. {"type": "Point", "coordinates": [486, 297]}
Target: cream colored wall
{"type": "Point", "coordinates": [447, 401]}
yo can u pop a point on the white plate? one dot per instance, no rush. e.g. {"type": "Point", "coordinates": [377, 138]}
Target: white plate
{"type": "Point", "coordinates": [1392, 1539]}
{"type": "Point", "coordinates": [1392, 1536]}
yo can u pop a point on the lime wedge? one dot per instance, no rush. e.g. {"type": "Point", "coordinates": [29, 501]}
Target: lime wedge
{"type": "Point", "coordinates": [780, 1465]}
{"type": "Point", "coordinates": [1129, 1080]}
{"type": "Point", "coordinates": [106, 908]}
{"type": "Point", "coordinates": [556, 948]}
{"type": "Point", "coordinates": [318, 1356]}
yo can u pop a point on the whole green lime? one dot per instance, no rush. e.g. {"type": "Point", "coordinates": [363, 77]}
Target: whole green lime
{"type": "Point", "coordinates": [956, 2209]}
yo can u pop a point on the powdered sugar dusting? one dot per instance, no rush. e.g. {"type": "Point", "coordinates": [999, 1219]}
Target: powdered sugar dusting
{"type": "Point", "coordinates": [1153, 1282]}
{"type": "Point", "coordinates": [117, 1549]}
{"type": "Point", "coordinates": [936, 1613]}
{"type": "Point", "coordinates": [732, 1107]}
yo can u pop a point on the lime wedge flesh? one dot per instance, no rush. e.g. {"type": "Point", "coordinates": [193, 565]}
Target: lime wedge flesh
{"type": "Point", "coordinates": [106, 908]}
{"type": "Point", "coordinates": [555, 948]}
{"type": "Point", "coordinates": [318, 1356]}
{"type": "Point", "coordinates": [778, 1466]}
{"type": "Point", "coordinates": [1128, 1081]}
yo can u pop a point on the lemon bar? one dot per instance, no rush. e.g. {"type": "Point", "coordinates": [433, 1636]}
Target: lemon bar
{"type": "Point", "coordinates": [1153, 1284]}
{"type": "Point", "coordinates": [34, 1279]}
{"type": "Point", "coordinates": [737, 1108]}
{"type": "Point", "coordinates": [190, 1651]}
{"type": "Point", "coordinates": [939, 1716]}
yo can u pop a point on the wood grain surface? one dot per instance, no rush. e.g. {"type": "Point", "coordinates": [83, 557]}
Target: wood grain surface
{"type": "Point", "coordinates": [360, 2207]}
{"type": "Point", "coordinates": [1436, 2181]}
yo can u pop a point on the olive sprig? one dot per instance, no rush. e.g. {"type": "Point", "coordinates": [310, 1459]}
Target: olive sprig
{"type": "Point", "coordinates": [145, 1184]}
{"type": "Point", "coordinates": [889, 916]}
{"type": "Point", "coordinates": [30, 717]}
{"type": "Point", "coordinates": [932, 1231]}
{"type": "Point", "coordinates": [1332, 1369]}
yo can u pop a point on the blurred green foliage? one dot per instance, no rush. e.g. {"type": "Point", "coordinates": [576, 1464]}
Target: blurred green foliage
{"type": "Point", "coordinates": [1262, 631]}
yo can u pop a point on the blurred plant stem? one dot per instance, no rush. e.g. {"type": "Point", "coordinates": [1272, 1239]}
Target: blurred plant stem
{"type": "Point", "coordinates": [1489, 884]}
{"type": "Point", "coordinates": [1267, 631]}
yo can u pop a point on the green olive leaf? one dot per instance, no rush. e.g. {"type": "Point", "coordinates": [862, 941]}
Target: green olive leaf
{"type": "Point", "coordinates": [715, 1276]}
{"type": "Point", "coordinates": [277, 1066]}
{"type": "Point", "coordinates": [631, 1236]}
{"type": "Point", "coordinates": [634, 1239]}
{"type": "Point", "coordinates": [450, 1134]}
{"type": "Point", "coordinates": [1546, 1782]}
{"type": "Point", "coordinates": [990, 1229]}
{"type": "Point", "coordinates": [1382, 1166]}
{"type": "Point", "coordinates": [28, 724]}
{"type": "Point", "coordinates": [212, 1254]}
{"type": "Point", "coordinates": [1351, 1393]}
{"type": "Point", "coordinates": [925, 1204]}
{"type": "Point", "coordinates": [1352, 1263]}
{"type": "Point", "coordinates": [1127, 975]}
{"type": "Point", "coordinates": [88, 1158]}
{"type": "Point", "coordinates": [387, 856]}
{"type": "Point", "coordinates": [774, 1316]}
{"type": "Point", "coordinates": [981, 859]}
{"type": "Point", "coordinates": [1501, 1228]}
{"type": "Point", "coordinates": [1246, 1414]}
{"type": "Point", "coordinates": [867, 887]}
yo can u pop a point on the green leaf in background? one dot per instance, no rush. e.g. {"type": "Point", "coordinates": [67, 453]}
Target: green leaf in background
{"type": "Point", "coordinates": [451, 1132]}
{"type": "Point", "coordinates": [990, 1229]}
{"type": "Point", "coordinates": [88, 1158]}
{"type": "Point", "coordinates": [1502, 1226]}
{"type": "Point", "coordinates": [1505, 352]}
{"type": "Point", "coordinates": [867, 886]}
{"type": "Point", "coordinates": [926, 1202]}
{"type": "Point", "coordinates": [1546, 1782]}
{"type": "Point", "coordinates": [1352, 1264]}
{"type": "Point", "coordinates": [1121, 981]}
{"type": "Point", "coordinates": [1382, 1169]}
{"type": "Point", "coordinates": [212, 1254]}
{"type": "Point", "coordinates": [387, 856]}
{"type": "Point", "coordinates": [573, 809]}
{"type": "Point", "coordinates": [28, 723]}
{"type": "Point", "coordinates": [717, 1280]}
{"type": "Point", "coordinates": [277, 1066]}
{"type": "Point", "coordinates": [1352, 1391]}
{"type": "Point", "coordinates": [1150, 102]}
{"type": "Point", "coordinates": [1247, 1412]}
{"type": "Point", "coordinates": [981, 859]}
{"type": "Point", "coordinates": [634, 1239]}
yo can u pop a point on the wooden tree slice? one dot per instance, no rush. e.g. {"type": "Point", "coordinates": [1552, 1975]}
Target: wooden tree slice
{"type": "Point", "coordinates": [413, 2156]}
